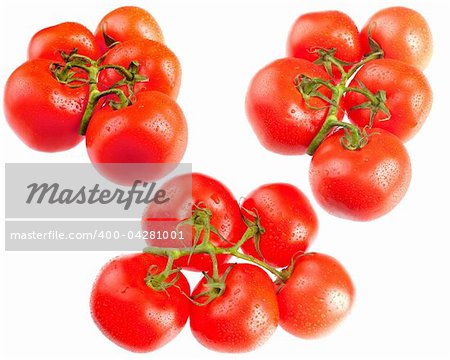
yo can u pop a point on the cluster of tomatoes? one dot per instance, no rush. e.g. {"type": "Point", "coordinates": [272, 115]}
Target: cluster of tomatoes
{"type": "Point", "coordinates": [116, 87]}
{"type": "Point", "coordinates": [142, 301]}
{"type": "Point", "coordinates": [359, 170]}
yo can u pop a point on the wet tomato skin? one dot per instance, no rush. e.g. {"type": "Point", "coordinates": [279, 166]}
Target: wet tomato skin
{"type": "Point", "coordinates": [402, 33]}
{"type": "Point", "coordinates": [277, 112]}
{"type": "Point", "coordinates": [48, 43]}
{"type": "Point", "coordinates": [152, 130]}
{"type": "Point", "coordinates": [188, 192]}
{"type": "Point", "coordinates": [317, 296]}
{"type": "Point", "coordinates": [129, 312]}
{"type": "Point", "coordinates": [362, 184]}
{"type": "Point", "coordinates": [243, 317]}
{"type": "Point", "coordinates": [126, 23]}
{"type": "Point", "coordinates": [289, 221]}
{"type": "Point", "coordinates": [408, 97]}
{"type": "Point", "coordinates": [44, 113]}
{"type": "Point", "coordinates": [156, 62]}
{"type": "Point", "coordinates": [325, 30]}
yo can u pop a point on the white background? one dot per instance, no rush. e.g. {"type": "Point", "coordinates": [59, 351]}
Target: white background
{"type": "Point", "coordinates": [399, 263]}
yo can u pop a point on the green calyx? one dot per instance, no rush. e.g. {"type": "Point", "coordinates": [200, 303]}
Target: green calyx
{"type": "Point", "coordinates": [374, 46]}
{"type": "Point", "coordinates": [159, 281]}
{"type": "Point", "coordinates": [327, 59]}
{"type": "Point", "coordinates": [310, 88]}
{"type": "Point", "coordinates": [375, 102]}
{"type": "Point", "coordinates": [214, 288]}
{"type": "Point", "coordinates": [255, 230]}
{"type": "Point", "coordinates": [109, 41]}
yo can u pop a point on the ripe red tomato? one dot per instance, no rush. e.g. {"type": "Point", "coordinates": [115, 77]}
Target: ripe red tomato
{"type": "Point", "coordinates": [316, 297]}
{"type": "Point", "coordinates": [243, 317]}
{"type": "Point", "coordinates": [325, 30]}
{"type": "Point", "coordinates": [186, 192]}
{"type": "Point", "coordinates": [277, 112]}
{"type": "Point", "coordinates": [126, 23]}
{"type": "Point", "coordinates": [362, 184]}
{"type": "Point", "coordinates": [288, 219]}
{"type": "Point", "coordinates": [44, 113]}
{"type": "Point", "coordinates": [132, 314]}
{"type": "Point", "coordinates": [151, 130]}
{"type": "Point", "coordinates": [156, 61]}
{"type": "Point", "coordinates": [49, 42]}
{"type": "Point", "coordinates": [402, 33]}
{"type": "Point", "coordinates": [409, 97]}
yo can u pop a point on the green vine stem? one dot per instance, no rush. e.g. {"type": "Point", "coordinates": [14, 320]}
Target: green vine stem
{"type": "Point", "coordinates": [207, 247]}
{"type": "Point", "coordinates": [354, 137]}
{"type": "Point", "coordinates": [212, 250]}
{"type": "Point", "coordinates": [65, 75]}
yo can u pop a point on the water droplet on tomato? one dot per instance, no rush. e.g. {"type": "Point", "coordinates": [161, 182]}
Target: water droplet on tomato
{"type": "Point", "coordinates": [215, 198]}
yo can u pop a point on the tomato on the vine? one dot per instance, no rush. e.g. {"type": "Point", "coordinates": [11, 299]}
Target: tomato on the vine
{"type": "Point", "coordinates": [402, 33]}
{"type": "Point", "coordinates": [289, 221]}
{"type": "Point", "coordinates": [316, 297]}
{"type": "Point", "coordinates": [48, 43]}
{"type": "Point", "coordinates": [361, 184]}
{"type": "Point", "coordinates": [150, 130]}
{"type": "Point", "coordinates": [240, 319]}
{"type": "Point", "coordinates": [325, 30]}
{"type": "Point", "coordinates": [156, 61]}
{"type": "Point", "coordinates": [44, 113]}
{"type": "Point", "coordinates": [131, 313]}
{"type": "Point", "coordinates": [126, 23]}
{"type": "Point", "coordinates": [408, 97]}
{"type": "Point", "coordinates": [283, 122]}
{"type": "Point", "coordinates": [188, 192]}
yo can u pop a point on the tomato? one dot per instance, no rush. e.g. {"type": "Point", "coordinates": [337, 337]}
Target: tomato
{"type": "Point", "coordinates": [151, 130]}
{"type": "Point", "coordinates": [132, 314]}
{"type": "Point", "coordinates": [156, 61]}
{"type": "Point", "coordinates": [49, 42]}
{"type": "Point", "coordinates": [409, 97]}
{"type": "Point", "coordinates": [186, 192]}
{"type": "Point", "coordinates": [126, 23]}
{"type": "Point", "coordinates": [288, 219]}
{"type": "Point", "coordinates": [276, 110]}
{"type": "Point", "coordinates": [316, 297]}
{"type": "Point", "coordinates": [44, 113]}
{"type": "Point", "coordinates": [362, 184]}
{"type": "Point", "coordinates": [325, 30]}
{"type": "Point", "coordinates": [402, 33]}
{"type": "Point", "coordinates": [243, 317]}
